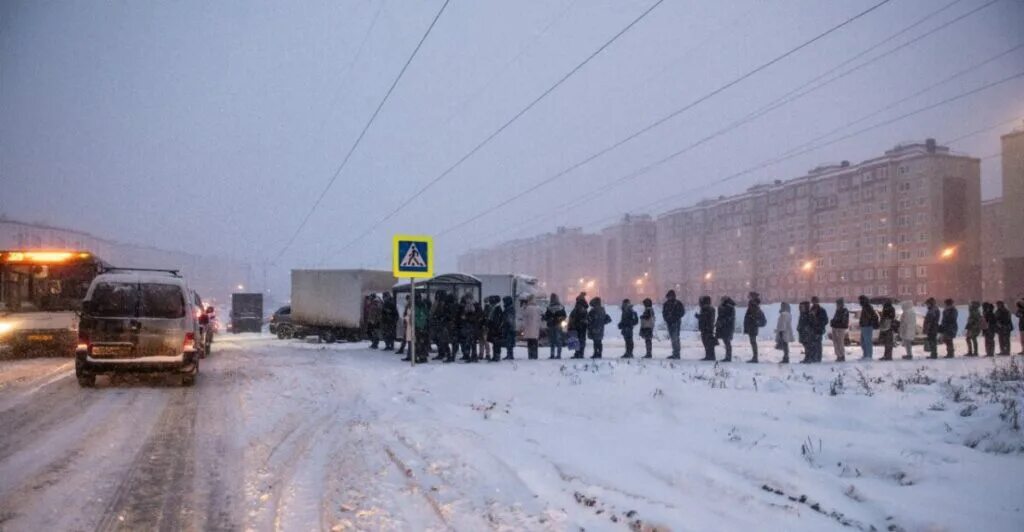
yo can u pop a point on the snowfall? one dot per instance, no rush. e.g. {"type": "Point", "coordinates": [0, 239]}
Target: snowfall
{"type": "Point", "coordinates": [295, 435]}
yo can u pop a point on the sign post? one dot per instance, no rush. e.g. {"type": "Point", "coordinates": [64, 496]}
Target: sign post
{"type": "Point", "coordinates": [412, 257]}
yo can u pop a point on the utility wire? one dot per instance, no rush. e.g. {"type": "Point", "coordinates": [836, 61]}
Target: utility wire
{"type": "Point", "coordinates": [362, 134]}
{"type": "Point", "coordinates": [785, 99]}
{"type": "Point", "coordinates": [498, 131]}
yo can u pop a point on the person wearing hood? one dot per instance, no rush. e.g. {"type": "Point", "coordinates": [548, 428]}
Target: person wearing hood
{"type": "Point", "coordinates": [554, 316]}
{"type": "Point", "coordinates": [840, 325]}
{"type": "Point", "coordinates": [819, 325]}
{"type": "Point", "coordinates": [988, 327]}
{"type": "Point", "coordinates": [753, 320]}
{"type": "Point", "coordinates": [1020, 324]}
{"type": "Point", "coordinates": [471, 323]}
{"type": "Point", "coordinates": [1004, 327]}
{"type": "Point", "coordinates": [908, 328]}
{"type": "Point", "coordinates": [389, 321]}
{"type": "Point", "coordinates": [597, 318]}
{"type": "Point", "coordinates": [804, 331]}
{"type": "Point", "coordinates": [725, 325]}
{"type": "Point", "coordinates": [868, 323]}
{"type": "Point", "coordinates": [948, 326]}
{"type": "Point", "coordinates": [647, 326]}
{"type": "Point", "coordinates": [931, 328]}
{"type": "Point", "coordinates": [783, 331]}
{"type": "Point", "coordinates": [706, 326]}
{"type": "Point", "coordinates": [531, 327]}
{"type": "Point", "coordinates": [508, 326]}
{"type": "Point", "coordinates": [578, 325]}
{"type": "Point", "coordinates": [672, 311]}
{"type": "Point", "coordinates": [495, 320]}
{"type": "Point", "coordinates": [484, 349]}
{"type": "Point", "coordinates": [973, 328]}
{"type": "Point", "coordinates": [373, 320]}
{"type": "Point", "coordinates": [627, 322]}
{"type": "Point", "coordinates": [886, 330]}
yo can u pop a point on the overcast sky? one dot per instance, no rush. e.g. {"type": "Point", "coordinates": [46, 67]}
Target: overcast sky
{"type": "Point", "coordinates": [214, 126]}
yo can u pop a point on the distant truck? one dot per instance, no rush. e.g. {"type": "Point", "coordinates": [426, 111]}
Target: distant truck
{"type": "Point", "coordinates": [518, 286]}
{"type": "Point", "coordinates": [329, 303]}
{"type": "Point", "coordinates": [246, 313]}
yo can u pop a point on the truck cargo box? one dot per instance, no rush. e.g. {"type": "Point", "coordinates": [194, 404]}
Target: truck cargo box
{"type": "Point", "coordinates": [334, 298]}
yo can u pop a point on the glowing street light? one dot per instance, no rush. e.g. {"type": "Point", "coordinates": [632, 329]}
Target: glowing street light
{"type": "Point", "coordinates": [948, 252]}
{"type": "Point", "coordinates": [240, 287]}
{"type": "Point", "coordinates": [708, 276]}
{"type": "Point", "coordinates": [639, 282]}
{"type": "Point", "coordinates": [590, 284]}
{"type": "Point", "coordinates": [807, 266]}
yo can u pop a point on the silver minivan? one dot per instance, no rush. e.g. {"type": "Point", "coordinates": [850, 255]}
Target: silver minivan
{"type": "Point", "coordinates": [137, 321]}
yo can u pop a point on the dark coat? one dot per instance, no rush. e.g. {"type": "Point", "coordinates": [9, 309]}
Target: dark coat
{"type": "Point", "coordinates": [1004, 322]}
{"type": "Point", "coordinates": [804, 327]}
{"type": "Point", "coordinates": [494, 322]}
{"type": "Point", "coordinates": [628, 321]}
{"type": "Point", "coordinates": [753, 319]}
{"type": "Point", "coordinates": [948, 326]}
{"type": "Point", "coordinates": [673, 311]}
{"type": "Point", "coordinates": [508, 318]}
{"type": "Point", "coordinates": [578, 317]}
{"type": "Point", "coordinates": [868, 316]}
{"type": "Point", "coordinates": [819, 320]}
{"type": "Point", "coordinates": [706, 322]}
{"type": "Point", "coordinates": [841, 319]}
{"type": "Point", "coordinates": [597, 318]}
{"type": "Point", "coordinates": [931, 321]}
{"type": "Point", "coordinates": [554, 315]}
{"type": "Point", "coordinates": [973, 326]}
{"type": "Point", "coordinates": [726, 324]}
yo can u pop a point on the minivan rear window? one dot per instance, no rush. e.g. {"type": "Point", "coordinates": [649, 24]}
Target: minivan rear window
{"type": "Point", "coordinates": [114, 300]}
{"type": "Point", "coordinates": [162, 301]}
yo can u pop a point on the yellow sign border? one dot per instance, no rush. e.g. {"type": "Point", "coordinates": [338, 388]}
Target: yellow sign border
{"type": "Point", "coordinates": [429, 241]}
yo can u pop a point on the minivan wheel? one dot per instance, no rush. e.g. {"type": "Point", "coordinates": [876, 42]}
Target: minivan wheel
{"type": "Point", "coordinates": [86, 381]}
{"type": "Point", "coordinates": [281, 335]}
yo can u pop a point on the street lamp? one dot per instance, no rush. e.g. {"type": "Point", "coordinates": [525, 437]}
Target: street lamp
{"type": "Point", "coordinates": [807, 266]}
{"type": "Point", "coordinates": [240, 287]}
{"type": "Point", "coordinates": [948, 253]}
{"type": "Point", "coordinates": [708, 276]}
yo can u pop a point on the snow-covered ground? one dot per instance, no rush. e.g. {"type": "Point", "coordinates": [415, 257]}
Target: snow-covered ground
{"type": "Point", "coordinates": [298, 436]}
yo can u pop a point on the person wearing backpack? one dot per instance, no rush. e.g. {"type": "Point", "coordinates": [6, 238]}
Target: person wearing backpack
{"type": "Point", "coordinates": [647, 326]}
{"type": "Point", "coordinates": [627, 322]}
{"type": "Point", "coordinates": [597, 318]}
{"type": "Point", "coordinates": [753, 320]}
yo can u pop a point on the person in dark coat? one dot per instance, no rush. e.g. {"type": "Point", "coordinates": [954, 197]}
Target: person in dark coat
{"type": "Point", "coordinates": [672, 311]}
{"type": "Point", "coordinates": [1004, 327]}
{"type": "Point", "coordinates": [554, 316]}
{"type": "Point", "coordinates": [948, 326]}
{"type": "Point", "coordinates": [819, 325]}
{"type": "Point", "coordinates": [389, 321]}
{"type": "Point", "coordinates": [627, 322]}
{"type": "Point", "coordinates": [471, 317]}
{"type": "Point", "coordinates": [753, 320]}
{"type": "Point", "coordinates": [804, 331]}
{"type": "Point", "coordinates": [887, 329]}
{"type": "Point", "coordinates": [578, 325]}
{"type": "Point", "coordinates": [1020, 324]}
{"type": "Point", "coordinates": [931, 328]}
{"type": "Point", "coordinates": [597, 318]}
{"type": "Point", "coordinates": [973, 328]}
{"type": "Point", "coordinates": [988, 327]}
{"type": "Point", "coordinates": [494, 323]}
{"type": "Point", "coordinates": [706, 326]}
{"type": "Point", "coordinates": [840, 325]}
{"type": "Point", "coordinates": [868, 323]}
{"type": "Point", "coordinates": [373, 321]}
{"type": "Point", "coordinates": [647, 326]}
{"type": "Point", "coordinates": [725, 325]}
{"type": "Point", "coordinates": [508, 326]}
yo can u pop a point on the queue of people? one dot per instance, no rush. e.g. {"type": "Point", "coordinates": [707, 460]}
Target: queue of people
{"type": "Point", "coordinates": [474, 331]}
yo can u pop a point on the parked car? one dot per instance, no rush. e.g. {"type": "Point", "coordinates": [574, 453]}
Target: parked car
{"type": "Point", "coordinates": [136, 321]}
{"type": "Point", "coordinates": [281, 323]}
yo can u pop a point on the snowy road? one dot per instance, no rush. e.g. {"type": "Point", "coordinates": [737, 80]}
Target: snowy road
{"type": "Point", "coordinates": [292, 436]}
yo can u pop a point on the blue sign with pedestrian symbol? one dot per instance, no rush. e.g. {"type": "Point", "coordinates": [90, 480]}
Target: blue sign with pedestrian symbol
{"type": "Point", "coordinates": [413, 256]}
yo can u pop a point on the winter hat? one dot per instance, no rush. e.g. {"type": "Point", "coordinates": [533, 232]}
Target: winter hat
{"type": "Point", "coordinates": [948, 302]}
{"type": "Point", "coordinates": [930, 301]}
{"type": "Point", "coordinates": [648, 302]}
{"type": "Point", "coordinates": [671, 294]}
{"type": "Point", "coordinates": [626, 303]}
{"type": "Point", "coordinates": [596, 302]}
{"type": "Point", "coordinates": [704, 300]}
{"type": "Point", "coordinates": [840, 302]}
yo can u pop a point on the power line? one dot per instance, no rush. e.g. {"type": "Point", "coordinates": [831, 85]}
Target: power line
{"type": "Point", "coordinates": [775, 104]}
{"type": "Point", "coordinates": [785, 157]}
{"type": "Point", "coordinates": [362, 133]}
{"type": "Point", "coordinates": [498, 131]}
{"type": "Point", "coordinates": [667, 117]}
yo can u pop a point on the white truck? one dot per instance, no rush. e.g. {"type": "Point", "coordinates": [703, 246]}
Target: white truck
{"type": "Point", "coordinates": [329, 303]}
{"type": "Point", "coordinates": [516, 285]}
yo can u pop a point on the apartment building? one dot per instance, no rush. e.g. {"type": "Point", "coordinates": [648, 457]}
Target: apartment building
{"type": "Point", "coordinates": [565, 262]}
{"type": "Point", "coordinates": [628, 258]}
{"type": "Point", "coordinates": [905, 224]}
{"type": "Point", "coordinates": [1013, 215]}
{"type": "Point", "coordinates": [993, 240]}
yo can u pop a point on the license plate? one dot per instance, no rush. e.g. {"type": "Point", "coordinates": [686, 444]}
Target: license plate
{"type": "Point", "coordinates": [40, 337]}
{"type": "Point", "coordinates": [111, 351]}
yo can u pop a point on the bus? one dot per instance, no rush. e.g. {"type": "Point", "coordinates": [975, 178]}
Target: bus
{"type": "Point", "coordinates": [41, 294]}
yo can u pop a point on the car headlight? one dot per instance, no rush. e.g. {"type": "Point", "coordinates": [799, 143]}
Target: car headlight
{"type": "Point", "coordinates": [5, 327]}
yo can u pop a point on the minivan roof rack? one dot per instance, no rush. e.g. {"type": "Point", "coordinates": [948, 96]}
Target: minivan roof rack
{"type": "Point", "coordinates": [176, 273]}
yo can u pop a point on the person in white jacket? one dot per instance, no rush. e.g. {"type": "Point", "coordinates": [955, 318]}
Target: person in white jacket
{"type": "Point", "coordinates": [784, 331]}
{"type": "Point", "coordinates": [531, 327]}
{"type": "Point", "coordinates": [908, 327]}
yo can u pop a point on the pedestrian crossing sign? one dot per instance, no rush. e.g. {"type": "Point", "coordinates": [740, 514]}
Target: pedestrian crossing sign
{"type": "Point", "coordinates": [413, 256]}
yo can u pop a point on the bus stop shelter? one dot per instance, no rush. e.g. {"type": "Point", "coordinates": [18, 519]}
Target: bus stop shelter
{"type": "Point", "coordinates": [459, 284]}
